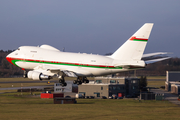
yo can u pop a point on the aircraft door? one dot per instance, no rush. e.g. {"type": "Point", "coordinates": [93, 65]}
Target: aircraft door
{"type": "Point", "coordinates": [107, 68]}
{"type": "Point", "coordinates": [80, 64]}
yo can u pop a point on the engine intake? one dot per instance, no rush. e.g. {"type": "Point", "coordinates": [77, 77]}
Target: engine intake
{"type": "Point", "coordinates": [37, 76]}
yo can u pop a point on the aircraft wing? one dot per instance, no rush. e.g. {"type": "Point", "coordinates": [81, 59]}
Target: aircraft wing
{"type": "Point", "coordinates": [156, 60]}
{"type": "Point", "coordinates": [66, 72]}
{"type": "Point", "coordinates": [69, 71]}
{"type": "Point", "coordinates": [51, 70]}
{"type": "Point", "coordinates": [154, 54]}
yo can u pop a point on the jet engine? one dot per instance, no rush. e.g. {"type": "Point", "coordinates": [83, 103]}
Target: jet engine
{"type": "Point", "coordinates": [37, 76]}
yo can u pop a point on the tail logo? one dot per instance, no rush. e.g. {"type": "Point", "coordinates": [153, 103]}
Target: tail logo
{"type": "Point", "coordinates": [138, 39]}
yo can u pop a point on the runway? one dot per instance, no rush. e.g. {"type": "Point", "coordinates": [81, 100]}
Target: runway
{"type": "Point", "coordinates": [33, 81]}
{"type": "Point", "coordinates": [31, 87]}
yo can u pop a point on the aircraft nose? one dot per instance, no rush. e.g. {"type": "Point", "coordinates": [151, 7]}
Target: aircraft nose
{"type": "Point", "coordinates": [8, 58]}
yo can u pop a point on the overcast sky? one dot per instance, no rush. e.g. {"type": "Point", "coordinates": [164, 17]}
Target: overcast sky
{"type": "Point", "coordinates": [89, 26]}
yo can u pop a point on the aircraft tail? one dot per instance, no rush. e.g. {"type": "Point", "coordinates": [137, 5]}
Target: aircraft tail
{"type": "Point", "coordinates": [134, 47]}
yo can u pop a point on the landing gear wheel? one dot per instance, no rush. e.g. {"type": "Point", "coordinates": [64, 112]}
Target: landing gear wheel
{"type": "Point", "coordinates": [25, 74]}
{"type": "Point", "coordinates": [61, 81]}
{"type": "Point", "coordinates": [64, 84]}
{"type": "Point", "coordinates": [79, 82]}
{"type": "Point", "coordinates": [86, 81]}
{"type": "Point", "coordinates": [75, 81]}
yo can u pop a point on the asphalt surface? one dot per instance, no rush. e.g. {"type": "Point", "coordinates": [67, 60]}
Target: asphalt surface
{"type": "Point", "coordinates": [173, 98]}
{"type": "Point", "coordinates": [168, 96]}
{"type": "Point", "coordinates": [33, 81]}
{"type": "Point", "coordinates": [30, 87]}
{"type": "Point", "coordinates": [69, 83]}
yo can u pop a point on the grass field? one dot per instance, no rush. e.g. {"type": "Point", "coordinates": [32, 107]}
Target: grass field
{"type": "Point", "coordinates": [156, 77]}
{"type": "Point", "coordinates": [155, 83]}
{"type": "Point", "coordinates": [17, 108]}
{"type": "Point", "coordinates": [28, 108]}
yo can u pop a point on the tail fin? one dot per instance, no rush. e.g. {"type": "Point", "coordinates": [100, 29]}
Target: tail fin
{"type": "Point", "coordinates": [134, 47]}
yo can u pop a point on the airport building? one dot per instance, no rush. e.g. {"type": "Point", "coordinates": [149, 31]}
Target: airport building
{"type": "Point", "coordinates": [105, 87]}
{"type": "Point", "coordinates": [172, 83]}
{"type": "Point", "coordinates": [69, 88]}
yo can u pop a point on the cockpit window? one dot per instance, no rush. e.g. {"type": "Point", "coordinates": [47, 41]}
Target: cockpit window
{"type": "Point", "coordinates": [18, 49]}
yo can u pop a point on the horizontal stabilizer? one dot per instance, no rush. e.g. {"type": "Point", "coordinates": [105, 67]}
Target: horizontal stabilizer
{"type": "Point", "coordinates": [154, 54]}
{"type": "Point", "coordinates": [156, 60]}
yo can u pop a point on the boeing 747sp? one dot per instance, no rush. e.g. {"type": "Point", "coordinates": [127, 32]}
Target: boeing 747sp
{"type": "Point", "coordinates": [45, 61]}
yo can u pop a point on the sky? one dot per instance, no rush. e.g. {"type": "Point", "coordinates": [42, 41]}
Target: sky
{"type": "Point", "coordinates": [89, 26]}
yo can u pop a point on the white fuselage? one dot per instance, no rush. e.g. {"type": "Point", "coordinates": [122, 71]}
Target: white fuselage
{"type": "Point", "coordinates": [28, 57]}
{"type": "Point", "coordinates": [48, 60]}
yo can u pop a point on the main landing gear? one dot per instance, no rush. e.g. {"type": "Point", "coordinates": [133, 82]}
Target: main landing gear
{"type": "Point", "coordinates": [62, 81]}
{"type": "Point", "coordinates": [81, 80]}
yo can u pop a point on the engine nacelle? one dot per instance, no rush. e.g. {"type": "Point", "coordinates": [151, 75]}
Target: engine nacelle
{"type": "Point", "coordinates": [37, 76]}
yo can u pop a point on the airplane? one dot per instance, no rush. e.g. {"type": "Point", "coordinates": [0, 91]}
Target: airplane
{"type": "Point", "coordinates": [45, 62]}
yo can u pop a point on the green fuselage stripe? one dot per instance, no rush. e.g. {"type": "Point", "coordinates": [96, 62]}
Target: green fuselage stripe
{"type": "Point", "coordinates": [69, 64]}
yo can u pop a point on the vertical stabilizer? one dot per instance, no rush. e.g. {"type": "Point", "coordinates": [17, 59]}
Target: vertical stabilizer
{"type": "Point", "coordinates": [133, 48]}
